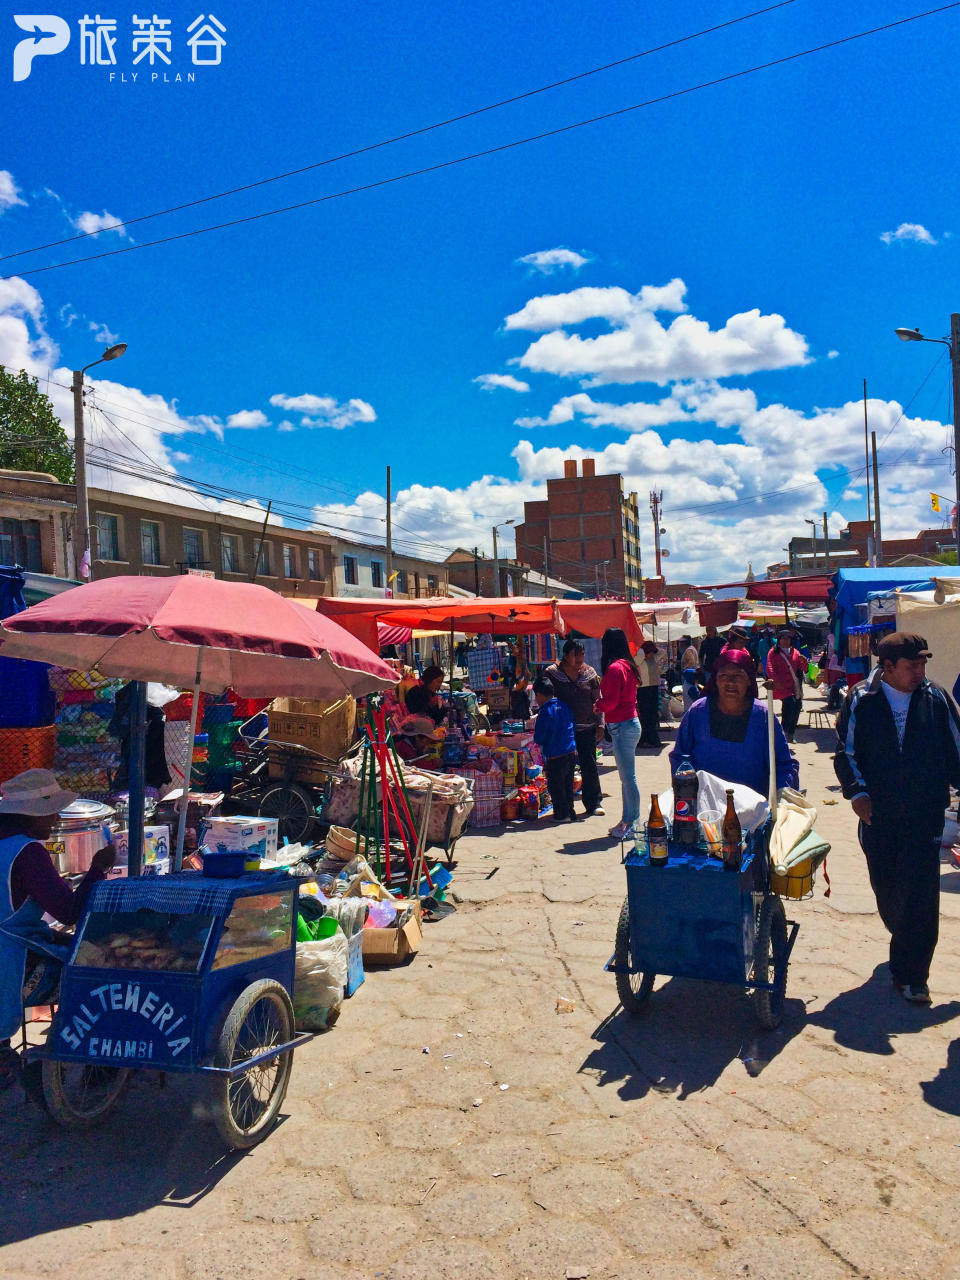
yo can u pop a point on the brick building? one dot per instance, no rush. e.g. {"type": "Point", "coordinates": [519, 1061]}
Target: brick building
{"type": "Point", "coordinates": [850, 550]}
{"type": "Point", "coordinates": [591, 530]}
{"type": "Point", "coordinates": [36, 513]}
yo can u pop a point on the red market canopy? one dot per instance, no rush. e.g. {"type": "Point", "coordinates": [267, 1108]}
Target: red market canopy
{"type": "Point", "coordinates": [812, 588]}
{"type": "Point", "coordinates": [593, 617]}
{"type": "Point", "coordinates": [504, 616]}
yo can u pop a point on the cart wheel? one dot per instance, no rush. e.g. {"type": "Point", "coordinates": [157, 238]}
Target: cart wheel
{"type": "Point", "coordinates": [769, 963]}
{"type": "Point", "coordinates": [79, 1095]}
{"type": "Point", "coordinates": [245, 1106]}
{"type": "Point", "coordinates": [294, 807]}
{"type": "Point", "coordinates": [632, 988]}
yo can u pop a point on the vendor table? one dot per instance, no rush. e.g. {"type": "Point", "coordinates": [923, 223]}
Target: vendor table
{"type": "Point", "coordinates": [179, 973]}
{"type": "Point", "coordinates": [694, 918]}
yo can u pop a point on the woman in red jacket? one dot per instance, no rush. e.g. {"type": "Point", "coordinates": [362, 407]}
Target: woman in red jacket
{"type": "Point", "coordinates": [786, 667]}
{"type": "Point", "coordinates": [617, 703]}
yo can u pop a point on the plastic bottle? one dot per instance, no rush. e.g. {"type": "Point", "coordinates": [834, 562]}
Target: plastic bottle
{"type": "Point", "coordinates": [686, 785]}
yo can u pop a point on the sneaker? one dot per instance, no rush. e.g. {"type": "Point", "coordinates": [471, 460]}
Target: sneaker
{"type": "Point", "coordinates": [918, 993]}
{"type": "Point", "coordinates": [598, 812]}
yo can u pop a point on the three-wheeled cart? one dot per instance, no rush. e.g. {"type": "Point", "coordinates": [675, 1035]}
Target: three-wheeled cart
{"type": "Point", "coordinates": [694, 918]}
{"type": "Point", "coordinates": [179, 973]}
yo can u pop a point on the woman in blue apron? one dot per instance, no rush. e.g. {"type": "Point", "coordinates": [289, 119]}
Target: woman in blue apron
{"type": "Point", "coordinates": [30, 886]}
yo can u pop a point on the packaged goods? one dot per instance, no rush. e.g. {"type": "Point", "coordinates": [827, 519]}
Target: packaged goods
{"type": "Point", "coordinates": [240, 833]}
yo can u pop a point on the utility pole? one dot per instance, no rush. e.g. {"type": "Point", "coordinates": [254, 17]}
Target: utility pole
{"type": "Point", "coordinates": [866, 451]}
{"type": "Point", "coordinates": [545, 572]}
{"type": "Point", "coordinates": [596, 574]}
{"type": "Point", "coordinates": [826, 542]}
{"type": "Point", "coordinates": [877, 535]}
{"type": "Point", "coordinates": [81, 524]}
{"type": "Point", "coordinates": [263, 533]}
{"type": "Point", "coordinates": [389, 530]}
{"type": "Point", "coordinates": [496, 567]}
{"type": "Point", "coordinates": [955, 367]}
{"type": "Point", "coordinates": [656, 505]}
{"type": "Point", "coordinates": [476, 571]}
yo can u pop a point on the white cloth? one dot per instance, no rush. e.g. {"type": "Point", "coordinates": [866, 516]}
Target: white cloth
{"type": "Point", "coordinates": [899, 705]}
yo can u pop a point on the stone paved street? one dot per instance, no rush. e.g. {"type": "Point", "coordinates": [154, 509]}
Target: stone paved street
{"type": "Point", "coordinates": [532, 1143]}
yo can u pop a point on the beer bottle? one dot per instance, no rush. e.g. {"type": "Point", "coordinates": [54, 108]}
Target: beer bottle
{"type": "Point", "coordinates": [686, 784]}
{"type": "Point", "coordinates": [731, 835]}
{"type": "Point", "coordinates": [657, 846]}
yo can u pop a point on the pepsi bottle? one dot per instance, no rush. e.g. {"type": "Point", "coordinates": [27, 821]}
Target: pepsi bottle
{"type": "Point", "coordinates": [686, 784]}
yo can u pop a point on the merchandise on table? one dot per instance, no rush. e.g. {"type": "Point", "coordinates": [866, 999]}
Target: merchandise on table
{"type": "Point", "coordinates": [86, 755]}
{"type": "Point", "coordinates": [143, 939]}
{"type": "Point", "coordinates": [239, 833]}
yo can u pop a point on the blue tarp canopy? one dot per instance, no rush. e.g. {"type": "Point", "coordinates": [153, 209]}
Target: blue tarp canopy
{"type": "Point", "coordinates": [855, 586]}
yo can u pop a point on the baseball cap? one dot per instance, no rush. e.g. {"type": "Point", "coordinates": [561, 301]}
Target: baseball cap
{"type": "Point", "coordinates": [902, 644]}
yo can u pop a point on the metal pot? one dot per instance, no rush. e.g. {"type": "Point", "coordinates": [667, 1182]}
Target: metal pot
{"type": "Point", "coordinates": [78, 835]}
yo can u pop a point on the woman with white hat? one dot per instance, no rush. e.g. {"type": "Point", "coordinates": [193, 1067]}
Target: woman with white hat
{"type": "Point", "coordinates": [30, 886]}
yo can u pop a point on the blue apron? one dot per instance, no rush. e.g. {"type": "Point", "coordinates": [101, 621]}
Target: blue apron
{"type": "Point", "coordinates": [20, 930]}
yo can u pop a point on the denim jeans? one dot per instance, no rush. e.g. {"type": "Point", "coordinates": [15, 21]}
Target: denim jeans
{"type": "Point", "coordinates": [625, 737]}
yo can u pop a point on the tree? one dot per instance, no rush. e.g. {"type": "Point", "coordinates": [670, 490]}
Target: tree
{"type": "Point", "coordinates": [31, 437]}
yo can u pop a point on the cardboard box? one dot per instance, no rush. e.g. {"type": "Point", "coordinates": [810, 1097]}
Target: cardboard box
{"type": "Point", "coordinates": [393, 946]}
{"type": "Point", "coordinates": [497, 698]}
{"type": "Point", "coordinates": [240, 833]}
{"type": "Point", "coordinates": [156, 845]}
{"type": "Point", "coordinates": [327, 728]}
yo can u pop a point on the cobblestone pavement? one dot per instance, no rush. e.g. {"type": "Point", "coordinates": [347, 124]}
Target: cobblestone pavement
{"type": "Point", "coordinates": [529, 1143]}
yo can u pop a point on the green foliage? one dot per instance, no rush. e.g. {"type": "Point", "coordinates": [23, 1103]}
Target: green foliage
{"type": "Point", "coordinates": [31, 437]}
{"type": "Point", "coordinates": [947, 557]}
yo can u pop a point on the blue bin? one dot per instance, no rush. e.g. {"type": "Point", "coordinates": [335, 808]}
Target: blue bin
{"type": "Point", "coordinates": [354, 963]}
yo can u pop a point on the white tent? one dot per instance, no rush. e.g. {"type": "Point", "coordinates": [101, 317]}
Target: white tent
{"type": "Point", "coordinates": [668, 620]}
{"type": "Point", "coordinates": [935, 615]}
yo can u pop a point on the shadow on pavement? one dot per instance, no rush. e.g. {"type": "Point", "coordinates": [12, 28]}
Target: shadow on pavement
{"type": "Point", "coordinates": [866, 1018]}
{"type": "Point", "coordinates": [152, 1150]}
{"type": "Point", "coordinates": [685, 1039]}
{"type": "Point", "coordinates": [943, 1091]}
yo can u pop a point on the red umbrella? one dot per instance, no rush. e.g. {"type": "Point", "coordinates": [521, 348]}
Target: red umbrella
{"type": "Point", "coordinates": [196, 631]}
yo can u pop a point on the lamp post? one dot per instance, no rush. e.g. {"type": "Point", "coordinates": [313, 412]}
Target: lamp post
{"type": "Point", "coordinates": [81, 523]}
{"type": "Point", "coordinates": [953, 346]}
{"type": "Point", "coordinates": [814, 524]}
{"type": "Point", "coordinates": [496, 560]}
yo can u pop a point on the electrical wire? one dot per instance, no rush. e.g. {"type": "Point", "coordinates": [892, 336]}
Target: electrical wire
{"type": "Point", "coordinates": [491, 151]}
{"type": "Point", "coordinates": [403, 137]}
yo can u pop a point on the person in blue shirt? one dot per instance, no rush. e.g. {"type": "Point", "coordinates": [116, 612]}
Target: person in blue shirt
{"type": "Point", "coordinates": [554, 735]}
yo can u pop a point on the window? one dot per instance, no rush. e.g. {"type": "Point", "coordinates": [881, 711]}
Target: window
{"type": "Point", "coordinates": [289, 561]}
{"type": "Point", "coordinates": [350, 570]}
{"type": "Point", "coordinates": [401, 581]}
{"type": "Point", "coordinates": [376, 573]}
{"type": "Point", "coordinates": [230, 553]}
{"type": "Point", "coordinates": [313, 564]}
{"type": "Point", "coordinates": [108, 537]}
{"type": "Point", "coordinates": [432, 584]}
{"type": "Point", "coordinates": [20, 544]}
{"type": "Point", "coordinates": [263, 562]}
{"type": "Point", "coordinates": [149, 542]}
{"type": "Point", "coordinates": [193, 548]}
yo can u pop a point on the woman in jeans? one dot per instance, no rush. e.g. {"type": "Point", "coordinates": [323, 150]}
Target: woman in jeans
{"type": "Point", "coordinates": [617, 703]}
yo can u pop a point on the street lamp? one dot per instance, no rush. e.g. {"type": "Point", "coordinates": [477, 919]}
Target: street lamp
{"type": "Point", "coordinates": [601, 564]}
{"type": "Point", "coordinates": [81, 522]}
{"type": "Point", "coordinates": [814, 524]}
{"type": "Point", "coordinates": [953, 346]}
{"type": "Point", "coordinates": [496, 559]}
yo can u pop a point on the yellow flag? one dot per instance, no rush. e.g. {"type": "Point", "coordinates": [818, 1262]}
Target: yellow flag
{"type": "Point", "coordinates": [935, 502]}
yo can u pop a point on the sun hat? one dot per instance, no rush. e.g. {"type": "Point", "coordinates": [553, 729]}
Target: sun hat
{"type": "Point", "coordinates": [902, 644]}
{"type": "Point", "coordinates": [35, 793]}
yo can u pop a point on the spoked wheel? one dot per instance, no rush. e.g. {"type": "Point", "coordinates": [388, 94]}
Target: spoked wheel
{"type": "Point", "coordinates": [632, 988]}
{"type": "Point", "coordinates": [245, 1106]}
{"type": "Point", "coordinates": [79, 1095]}
{"type": "Point", "coordinates": [295, 809]}
{"type": "Point", "coordinates": [770, 962]}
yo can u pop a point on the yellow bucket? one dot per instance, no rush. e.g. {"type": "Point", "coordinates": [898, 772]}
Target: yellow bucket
{"type": "Point", "coordinates": [796, 883]}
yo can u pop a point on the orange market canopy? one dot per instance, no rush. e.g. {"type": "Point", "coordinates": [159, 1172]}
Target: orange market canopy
{"type": "Point", "coordinates": [593, 617]}
{"type": "Point", "coordinates": [506, 616]}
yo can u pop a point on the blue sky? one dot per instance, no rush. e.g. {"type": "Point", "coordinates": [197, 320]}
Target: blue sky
{"type": "Point", "coordinates": [724, 289]}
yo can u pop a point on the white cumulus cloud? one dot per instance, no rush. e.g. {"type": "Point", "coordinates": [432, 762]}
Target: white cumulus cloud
{"type": "Point", "coordinates": [490, 381]}
{"type": "Point", "coordinates": [89, 223]}
{"type": "Point", "coordinates": [248, 419]}
{"type": "Point", "coordinates": [102, 334]}
{"type": "Point", "coordinates": [9, 191]}
{"type": "Point", "coordinates": [547, 261]}
{"type": "Point", "coordinates": [325, 411]}
{"type": "Point", "coordinates": [914, 231]}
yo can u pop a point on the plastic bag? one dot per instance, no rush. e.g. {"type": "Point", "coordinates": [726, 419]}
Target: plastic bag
{"type": "Point", "coordinates": [795, 818]}
{"type": "Point", "coordinates": [752, 808]}
{"type": "Point", "coordinates": [319, 980]}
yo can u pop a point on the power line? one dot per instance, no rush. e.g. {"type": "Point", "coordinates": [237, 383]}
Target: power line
{"type": "Point", "coordinates": [403, 137]}
{"type": "Point", "coordinates": [490, 151]}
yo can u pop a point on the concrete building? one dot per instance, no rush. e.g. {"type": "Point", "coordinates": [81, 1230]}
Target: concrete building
{"type": "Point", "coordinates": [360, 569]}
{"type": "Point", "coordinates": [590, 530]}
{"type": "Point", "coordinates": [36, 512]}
{"type": "Point", "coordinates": [474, 573]}
{"type": "Point", "coordinates": [851, 549]}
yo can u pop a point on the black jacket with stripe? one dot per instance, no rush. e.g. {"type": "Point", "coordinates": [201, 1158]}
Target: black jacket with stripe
{"type": "Point", "coordinates": [905, 783]}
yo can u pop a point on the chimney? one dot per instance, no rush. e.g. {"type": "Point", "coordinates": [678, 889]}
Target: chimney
{"type": "Point", "coordinates": [589, 467]}
{"type": "Point", "coordinates": [570, 469]}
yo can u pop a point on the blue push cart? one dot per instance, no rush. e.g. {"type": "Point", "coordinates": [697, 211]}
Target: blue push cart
{"type": "Point", "coordinates": [693, 918]}
{"type": "Point", "coordinates": [179, 973]}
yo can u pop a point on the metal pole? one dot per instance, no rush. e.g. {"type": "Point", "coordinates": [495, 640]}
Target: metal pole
{"type": "Point", "coordinates": [866, 451]}
{"type": "Point", "coordinates": [826, 543]}
{"type": "Point", "coordinates": [256, 560]}
{"type": "Point", "coordinates": [955, 365]}
{"type": "Point", "coordinates": [187, 768]}
{"type": "Point", "coordinates": [136, 777]}
{"type": "Point", "coordinates": [476, 570]}
{"type": "Point", "coordinates": [545, 583]}
{"type": "Point", "coordinates": [81, 523]}
{"type": "Point", "coordinates": [389, 527]}
{"type": "Point", "coordinates": [496, 566]}
{"type": "Point", "coordinates": [878, 536]}
{"type": "Point", "coordinates": [596, 574]}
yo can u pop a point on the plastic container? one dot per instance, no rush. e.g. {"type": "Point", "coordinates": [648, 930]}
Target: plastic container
{"type": "Point", "coordinates": [225, 865]}
{"type": "Point", "coordinates": [797, 883]}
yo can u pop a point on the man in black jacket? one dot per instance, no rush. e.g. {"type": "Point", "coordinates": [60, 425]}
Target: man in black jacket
{"type": "Point", "coordinates": [898, 752]}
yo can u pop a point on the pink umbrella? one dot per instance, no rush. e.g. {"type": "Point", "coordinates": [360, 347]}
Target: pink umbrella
{"type": "Point", "coordinates": [196, 631]}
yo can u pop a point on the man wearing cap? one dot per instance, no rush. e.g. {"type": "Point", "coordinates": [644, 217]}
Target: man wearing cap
{"type": "Point", "coordinates": [30, 885]}
{"type": "Point", "coordinates": [898, 753]}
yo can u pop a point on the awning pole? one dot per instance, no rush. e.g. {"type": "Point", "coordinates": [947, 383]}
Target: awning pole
{"type": "Point", "coordinates": [187, 769]}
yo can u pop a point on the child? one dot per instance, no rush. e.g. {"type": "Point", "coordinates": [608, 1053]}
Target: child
{"type": "Point", "coordinates": [553, 734]}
